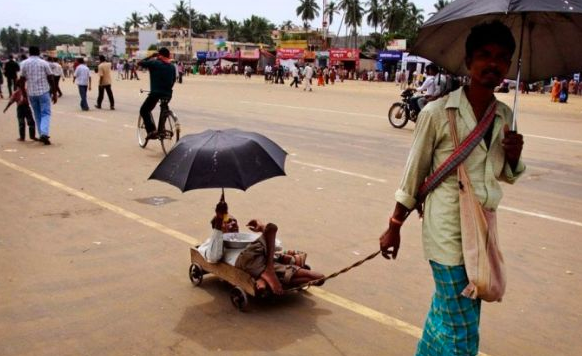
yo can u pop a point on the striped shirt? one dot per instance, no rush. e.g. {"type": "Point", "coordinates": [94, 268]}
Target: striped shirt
{"type": "Point", "coordinates": [432, 145]}
{"type": "Point", "coordinates": [36, 70]}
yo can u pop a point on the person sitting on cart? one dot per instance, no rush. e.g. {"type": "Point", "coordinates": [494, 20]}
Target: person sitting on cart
{"type": "Point", "coordinates": [258, 260]}
{"type": "Point", "coordinates": [226, 223]}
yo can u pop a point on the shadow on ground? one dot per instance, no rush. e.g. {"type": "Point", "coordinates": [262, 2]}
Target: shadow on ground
{"type": "Point", "coordinates": [269, 324]}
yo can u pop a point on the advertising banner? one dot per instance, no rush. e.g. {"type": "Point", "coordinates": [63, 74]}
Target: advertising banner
{"type": "Point", "coordinates": [390, 55]}
{"type": "Point", "coordinates": [290, 53]}
{"type": "Point", "coordinates": [344, 54]}
{"type": "Point", "coordinates": [396, 45]}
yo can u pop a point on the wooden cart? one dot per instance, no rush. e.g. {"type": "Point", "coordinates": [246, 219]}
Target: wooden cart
{"type": "Point", "coordinates": [243, 285]}
{"type": "Point", "coordinates": [242, 282]}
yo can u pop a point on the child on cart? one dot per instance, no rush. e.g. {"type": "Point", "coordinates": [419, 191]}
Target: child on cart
{"type": "Point", "coordinates": [270, 269]}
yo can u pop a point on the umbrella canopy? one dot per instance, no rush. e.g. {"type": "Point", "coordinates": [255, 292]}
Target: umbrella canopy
{"type": "Point", "coordinates": [221, 159]}
{"type": "Point", "coordinates": [549, 32]}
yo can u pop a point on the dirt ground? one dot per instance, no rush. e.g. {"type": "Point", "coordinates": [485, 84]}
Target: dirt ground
{"type": "Point", "coordinates": [89, 266]}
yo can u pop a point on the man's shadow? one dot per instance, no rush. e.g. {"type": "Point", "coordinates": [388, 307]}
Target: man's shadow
{"type": "Point", "coordinates": [269, 323]}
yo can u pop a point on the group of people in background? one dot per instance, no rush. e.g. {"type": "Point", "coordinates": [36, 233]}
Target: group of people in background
{"type": "Point", "coordinates": [35, 81]}
{"type": "Point", "coordinates": [561, 89]}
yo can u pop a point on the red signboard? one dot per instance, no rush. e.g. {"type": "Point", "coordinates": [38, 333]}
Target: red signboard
{"type": "Point", "coordinates": [290, 53]}
{"type": "Point", "coordinates": [344, 54]}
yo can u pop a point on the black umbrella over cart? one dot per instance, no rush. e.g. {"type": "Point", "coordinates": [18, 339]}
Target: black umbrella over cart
{"type": "Point", "coordinates": [548, 35]}
{"type": "Point", "coordinates": [221, 159]}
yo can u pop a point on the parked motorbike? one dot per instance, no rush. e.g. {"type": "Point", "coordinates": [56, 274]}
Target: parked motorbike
{"type": "Point", "coordinates": [402, 112]}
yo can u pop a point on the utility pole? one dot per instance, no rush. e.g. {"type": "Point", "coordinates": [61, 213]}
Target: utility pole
{"type": "Point", "coordinates": [189, 51]}
{"type": "Point", "coordinates": [324, 24]}
{"type": "Point", "coordinates": [163, 27]}
{"type": "Point", "coordinates": [18, 36]}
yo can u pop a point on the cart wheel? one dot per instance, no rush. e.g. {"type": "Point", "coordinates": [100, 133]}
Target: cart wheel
{"type": "Point", "coordinates": [196, 274]}
{"type": "Point", "coordinates": [239, 298]}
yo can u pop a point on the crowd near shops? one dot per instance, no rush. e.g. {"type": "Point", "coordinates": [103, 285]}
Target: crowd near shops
{"type": "Point", "coordinates": [293, 66]}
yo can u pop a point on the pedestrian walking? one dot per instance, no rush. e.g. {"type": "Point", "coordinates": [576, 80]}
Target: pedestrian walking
{"type": "Point", "coordinates": [180, 72]}
{"type": "Point", "coordinates": [57, 73]}
{"type": "Point", "coordinates": [1, 80]}
{"type": "Point", "coordinates": [40, 86]}
{"type": "Point", "coordinates": [564, 91]}
{"type": "Point", "coordinates": [308, 77]}
{"type": "Point", "coordinates": [555, 90]}
{"type": "Point", "coordinates": [126, 70]}
{"type": "Point", "coordinates": [320, 82]}
{"type": "Point", "coordinates": [104, 73]}
{"type": "Point", "coordinates": [295, 74]}
{"type": "Point", "coordinates": [23, 111]}
{"type": "Point", "coordinates": [83, 78]}
{"type": "Point", "coordinates": [119, 69]}
{"type": "Point", "coordinates": [452, 324]}
{"type": "Point", "coordinates": [11, 69]}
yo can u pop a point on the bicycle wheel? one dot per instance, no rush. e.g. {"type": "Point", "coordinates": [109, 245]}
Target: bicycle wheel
{"type": "Point", "coordinates": [397, 115]}
{"type": "Point", "coordinates": [171, 133]}
{"type": "Point", "coordinates": [141, 133]}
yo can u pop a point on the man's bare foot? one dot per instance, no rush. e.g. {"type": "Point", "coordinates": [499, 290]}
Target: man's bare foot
{"type": "Point", "coordinates": [270, 277]}
{"type": "Point", "coordinates": [261, 285]}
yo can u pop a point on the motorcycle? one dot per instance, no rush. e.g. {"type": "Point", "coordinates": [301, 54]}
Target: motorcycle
{"type": "Point", "coordinates": [402, 112]}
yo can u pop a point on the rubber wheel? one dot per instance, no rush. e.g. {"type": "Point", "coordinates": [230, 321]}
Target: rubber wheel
{"type": "Point", "coordinates": [397, 115]}
{"type": "Point", "coordinates": [141, 133]}
{"type": "Point", "coordinates": [239, 298]}
{"type": "Point", "coordinates": [196, 274]}
{"type": "Point", "coordinates": [171, 133]}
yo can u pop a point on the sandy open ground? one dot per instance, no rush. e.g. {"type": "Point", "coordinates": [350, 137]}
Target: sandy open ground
{"type": "Point", "coordinates": [88, 268]}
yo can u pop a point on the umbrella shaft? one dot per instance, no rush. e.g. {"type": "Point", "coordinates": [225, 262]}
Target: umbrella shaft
{"type": "Point", "coordinates": [516, 97]}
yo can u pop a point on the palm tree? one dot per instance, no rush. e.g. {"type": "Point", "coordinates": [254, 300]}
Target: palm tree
{"type": "Point", "coordinates": [353, 15]}
{"type": "Point", "coordinates": [215, 21]}
{"type": "Point", "coordinates": [43, 37]}
{"type": "Point", "coordinates": [286, 25]}
{"type": "Point", "coordinates": [233, 28]}
{"type": "Point", "coordinates": [180, 15]}
{"type": "Point", "coordinates": [330, 10]}
{"type": "Point", "coordinates": [307, 10]}
{"type": "Point", "coordinates": [375, 14]}
{"type": "Point", "coordinates": [439, 5]}
{"type": "Point", "coordinates": [135, 20]}
{"type": "Point", "coordinates": [155, 20]}
{"type": "Point", "coordinates": [257, 30]}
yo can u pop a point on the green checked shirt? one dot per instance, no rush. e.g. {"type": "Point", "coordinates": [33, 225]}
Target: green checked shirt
{"type": "Point", "coordinates": [432, 145]}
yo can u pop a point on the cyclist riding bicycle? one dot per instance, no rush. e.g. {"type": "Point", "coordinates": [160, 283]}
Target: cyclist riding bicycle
{"type": "Point", "coordinates": [162, 79]}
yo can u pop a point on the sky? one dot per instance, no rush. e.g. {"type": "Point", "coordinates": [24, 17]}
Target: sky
{"type": "Point", "coordinates": [74, 16]}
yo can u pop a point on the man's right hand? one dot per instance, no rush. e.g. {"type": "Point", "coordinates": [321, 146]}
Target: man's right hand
{"type": "Point", "coordinates": [390, 242]}
{"type": "Point", "coordinates": [55, 98]}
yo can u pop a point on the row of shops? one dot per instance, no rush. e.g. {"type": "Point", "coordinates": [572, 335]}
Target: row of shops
{"type": "Point", "coordinates": [344, 58]}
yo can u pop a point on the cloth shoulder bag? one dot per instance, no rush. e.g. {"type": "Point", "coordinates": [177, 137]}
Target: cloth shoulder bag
{"type": "Point", "coordinates": [483, 259]}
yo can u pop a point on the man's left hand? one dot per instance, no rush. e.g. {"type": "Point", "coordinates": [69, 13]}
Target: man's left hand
{"type": "Point", "coordinates": [512, 145]}
{"type": "Point", "coordinates": [55, 98]}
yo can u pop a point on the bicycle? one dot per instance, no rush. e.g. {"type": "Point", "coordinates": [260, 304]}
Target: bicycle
{"type": "Point", "coordinates": [168, 127]}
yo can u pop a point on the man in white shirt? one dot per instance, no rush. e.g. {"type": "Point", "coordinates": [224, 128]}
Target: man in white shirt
{"type": "Point", "coordinates": [295, 74]}
{"type": "Point", "coordinates": [83, 78]}
{"type": "Point", "coordinates": [308, 76]}
{"type": "Point", "coordinates": [57, 74]}
{"type": "Point", "coordinates": [429, 86]}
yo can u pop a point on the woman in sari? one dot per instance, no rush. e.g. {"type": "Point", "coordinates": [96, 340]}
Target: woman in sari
{"type": "Point", "coordinates": [556, 90]}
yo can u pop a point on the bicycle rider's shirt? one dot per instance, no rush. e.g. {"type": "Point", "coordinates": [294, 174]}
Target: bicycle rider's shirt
{"type": "Point", "coordinates": [162, 76]}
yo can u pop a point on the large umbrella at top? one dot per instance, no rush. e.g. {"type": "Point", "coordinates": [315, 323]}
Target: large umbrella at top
{"type": "Point", "coordinates": [547, 32]}
{"type": "Point", "coordinates": [221, 159]}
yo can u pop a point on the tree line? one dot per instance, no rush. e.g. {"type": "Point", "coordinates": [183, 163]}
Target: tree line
{"type": "Point", "coordinates": [390, 19]}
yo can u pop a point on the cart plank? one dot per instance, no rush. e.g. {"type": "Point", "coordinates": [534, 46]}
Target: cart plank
{"type": "Point", "coordinates": [229, 273]}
